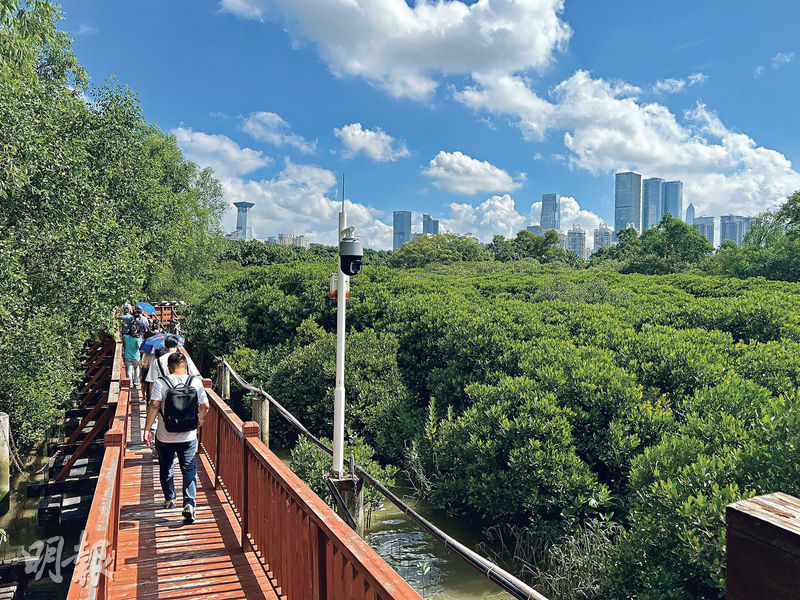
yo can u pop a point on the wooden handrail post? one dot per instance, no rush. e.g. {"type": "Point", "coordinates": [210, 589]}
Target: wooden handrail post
{"type": "Point", "coordinates": [763, 547]}
{"type": "Point", "coordinates": [249, 430]}
{"type": "Point", "coordinates": [217, 453]}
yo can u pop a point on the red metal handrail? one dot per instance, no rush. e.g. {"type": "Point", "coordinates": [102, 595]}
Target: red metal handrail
{"type": "Point", "coordinates": [309, 551]}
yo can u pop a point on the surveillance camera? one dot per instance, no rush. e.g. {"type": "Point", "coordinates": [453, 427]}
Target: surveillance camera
{"type": "Point", "coordinates": [350, 254]}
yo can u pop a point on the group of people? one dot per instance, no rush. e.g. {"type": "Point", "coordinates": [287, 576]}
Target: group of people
{"type": "Point", "coordinates": [177, 403]}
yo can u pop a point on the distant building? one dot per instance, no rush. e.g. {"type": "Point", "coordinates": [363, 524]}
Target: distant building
{"type": "Point", "coordinates": [562, 240]}
{"type": "Point", "coordinates": [244, 223]}
{"type": "Point", "coordinates": [705, 225]}
{"type": "Point", "coordinates": [602, 237]}
{"type": "Point", "coordinates": [272, 240]}
{"type": "Point", "coordinates": [284, 239]}
{"type": "Point", "coordinates": [302, 240]}
{"type": "Point", "coordinates": [673, 199]}
{"type": "Point", "coordinates": [576, 241]}
{"type": "Point", "coordinates": [652, 201]}
{"type": "Point", "coordinates": [401, 228]}
{"type": "Point", "coordinates": [733, 227]}
{"type": "Point", "coordinates": [535, 229]}
{"type": "Point", "coordinates": [690, 214]}
{"type": "Point", "coordinates": [551, 212]}
{"type": "Point", "coordinates": [627, 201]}
{"type": "Point", "coordinates": [430, 226]}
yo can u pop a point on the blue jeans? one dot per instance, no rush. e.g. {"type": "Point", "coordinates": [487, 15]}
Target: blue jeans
{"type": "Point", "coordinates": [187, 459]}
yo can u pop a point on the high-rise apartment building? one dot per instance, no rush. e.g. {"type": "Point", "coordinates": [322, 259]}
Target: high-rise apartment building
{"type": "Point", "coordinates": [302, 240]}
{"type": "Point", "coordinates": [690, 214]}
{"type": "Point", "coordinates": [401, 228]}
{"type": "Point", "coordinates": [551, 212]}
{"type": "Point", "coordinates": [602, 237]}
{"type": "Point", "coordinates": [627, 201]}
{"type": "Point", "coordinates": [733, 227]}
{"type": "Point", "coordinates": [284, 239]}
{"type": "Point", "coordinates": [705, 225]}
{"type": "Point", "coordinates": [673, 199]}
{"type": "Point", "coordinates": [562, 240]}
{"type": "Point", "coordinates": [652, 201]}
{"type": "Point", "coordinates": [576, 241]}
{"type": "Point", "coordinates": [536, 229]}
{"type": "Point", "coordinates": [430, 226]}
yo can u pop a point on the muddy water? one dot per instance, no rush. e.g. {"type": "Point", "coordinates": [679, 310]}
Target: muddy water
{"type": "Point", "coordinates": [422, 560]}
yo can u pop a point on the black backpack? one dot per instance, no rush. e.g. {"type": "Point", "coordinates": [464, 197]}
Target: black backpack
{"type": "Point", "coordinates": [179, 407]}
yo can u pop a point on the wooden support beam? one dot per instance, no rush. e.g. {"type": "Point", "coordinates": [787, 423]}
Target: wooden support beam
{"type": "Point", "coordinates": [89, 417]}
{"type": "Point", "coordinates": [111, 407]}
{"type": "Point", "coordinates": [106, 377]}
{"type": "Point", "coordinates": [763, 548]}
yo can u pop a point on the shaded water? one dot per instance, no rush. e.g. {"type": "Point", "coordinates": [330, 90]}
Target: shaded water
{"type": "Point", "coordinates": [434, 571]}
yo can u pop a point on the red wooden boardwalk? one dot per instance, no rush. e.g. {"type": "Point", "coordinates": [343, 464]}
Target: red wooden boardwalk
{"type": "Point", "coordinates": [297, 548]}
{"type": "Point", "coordinates": [159, 556]}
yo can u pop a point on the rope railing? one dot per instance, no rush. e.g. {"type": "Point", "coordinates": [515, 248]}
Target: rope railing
{"type": "Point", "coordinates": [494, 573]}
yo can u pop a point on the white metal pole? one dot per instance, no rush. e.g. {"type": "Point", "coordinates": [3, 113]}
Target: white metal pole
{"type": "Point", "coordinates": [338, 403]}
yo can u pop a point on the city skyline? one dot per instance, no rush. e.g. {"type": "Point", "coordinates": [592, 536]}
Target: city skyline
{"type": "Point", "coordinates": [473, 129]}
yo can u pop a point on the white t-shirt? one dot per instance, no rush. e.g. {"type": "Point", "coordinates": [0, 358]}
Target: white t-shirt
{"type": "Point", "coordinates": [159, 391]}
{"type": "Point", "coordinates": [154, 372]}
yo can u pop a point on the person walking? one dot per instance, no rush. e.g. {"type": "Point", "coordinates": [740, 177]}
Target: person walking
{"type": "Point", "coordinates": [131, 340]}
{"type": "Point", "coordinates": [158, 368]}
{"type": "Point", "coordinates": [180, 402]}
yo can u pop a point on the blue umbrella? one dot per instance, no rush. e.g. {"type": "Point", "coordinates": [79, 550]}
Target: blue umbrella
{"type": "Point", "coordinates": [146, 307]}
{"type": "Point", "coordinates": [155, 342]}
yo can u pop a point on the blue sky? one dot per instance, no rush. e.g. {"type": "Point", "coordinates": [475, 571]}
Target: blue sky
{"type": "Point", "coordinates": [466, 110]}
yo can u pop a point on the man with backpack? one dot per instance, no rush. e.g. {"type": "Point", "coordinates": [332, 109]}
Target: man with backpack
{"type": "Point", "coordinates": [179, 401]}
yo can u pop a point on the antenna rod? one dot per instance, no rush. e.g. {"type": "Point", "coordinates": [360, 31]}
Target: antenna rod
{"type": "Point", "coordinates": [342, 192]}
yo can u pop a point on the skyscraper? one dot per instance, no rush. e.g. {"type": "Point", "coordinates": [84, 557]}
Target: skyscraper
{"type": "Point", "coordinates": [244, 224]}
{"type": "Point", "coordinates": [673, 199]}
{"type": "Point", "coordinates": [652, 201]}
{"type": "Point", "coordinates": [576, 241]}
{"type": "Point", "coordinates": [602, 237]}
{"type": "Point", "coordinates": [430, 225]}
{"type": "Point", "coordinates": [733, 227]}
{"type": "Point", "coordinates": [690, 214]}
{"type": "Point", "coordinates": [551, 212]}
{"type": "Point", "coordinates": [401, 228]}
{"type": "Point", "coordinates": [627, 201]}
{"type": "Point", "coordinates": [705, 225]}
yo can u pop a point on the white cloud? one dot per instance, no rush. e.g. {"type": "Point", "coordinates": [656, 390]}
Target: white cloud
{"type": "Point", "coordinates": [85, 30]}
{"type": "Point", "coordinates": [377, 144]}
{"type": "Point", "coordinates": [402, 48]}
{"type": "Point", "coordinates": [780, 59]}
{"type": "Point", "coordinates": [675, 86]}
{"type": "Point", "coordinates": [219, 152]}
{"type": "Point", "coordinates": [669, 86]}
{"type": "Point", "coordinates": [298, 200]}
{"type": "Point", "coordinates": [606, 128]}
{"type": "Point", "coordinates": [272, 128]}
{"type": "Point", "coordinates": [776, 62]}
{"type": "Point", "coordinates": [462, 174]}
{"type": "Point", "coordinates": [496, 215]}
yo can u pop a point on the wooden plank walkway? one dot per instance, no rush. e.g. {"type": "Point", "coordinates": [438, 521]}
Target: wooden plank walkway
{"type": "Point", "coordinates": [161, 557]}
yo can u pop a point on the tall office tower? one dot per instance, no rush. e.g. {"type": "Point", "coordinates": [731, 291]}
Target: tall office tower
{"type": "Point", "coordinates": [535, 229]}
{"type": "Point", "coordinates": [244, 223]}
{"type": "Point", "coordinates": [652, 201]}
{"type": "Point", "coordinates": [430, 225]}
{"type": "Point", "coordinates": [576, 241]}
{"type": "Point", "coordinates": [602, 237]}
{"type": "Point", "coordinates": [705, 225]}
{"type": "Point", "coordinates": [627, 201]}
{"type": "Point", "coordinates": [733, 227]}
{"type": "Point", "coordinates": [551, 212]}
{"type": "Point", "coordinates": [673, 199]}
{"type": "Point", "coordinates": [401, 228]}
{"type": "Point", "coordinates": [690, 214]}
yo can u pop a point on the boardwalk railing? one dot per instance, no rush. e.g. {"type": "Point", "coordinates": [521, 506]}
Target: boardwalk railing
{"type": "Point", "coordinates": [97, 554]}
{"type": "Point", "coordinates": [307, 549]}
